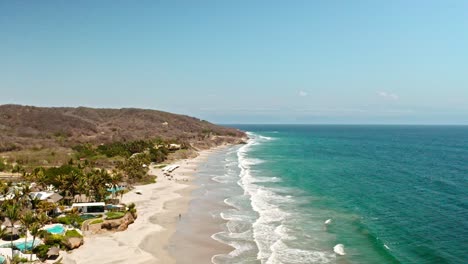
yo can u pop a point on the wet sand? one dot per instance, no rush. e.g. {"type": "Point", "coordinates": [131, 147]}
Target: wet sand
{"type": "Point", "coordinates": [193, 236]}
{"type": "Point", "coordinates": [148, 240]}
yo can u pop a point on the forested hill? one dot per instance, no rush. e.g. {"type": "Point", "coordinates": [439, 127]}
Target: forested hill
{"type": "Point", "coordinates": [29, 127]}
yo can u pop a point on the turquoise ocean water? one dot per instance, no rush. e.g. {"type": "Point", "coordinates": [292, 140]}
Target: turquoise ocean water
{"type": "Point", "coordinates": [394, 194]}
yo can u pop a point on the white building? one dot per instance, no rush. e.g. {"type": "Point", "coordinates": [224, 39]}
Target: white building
{"type": "Point", "coordinates": [90, 208]}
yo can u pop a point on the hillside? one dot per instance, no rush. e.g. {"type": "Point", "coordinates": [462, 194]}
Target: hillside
{"type": "Point", "coordinates": [28, 127]}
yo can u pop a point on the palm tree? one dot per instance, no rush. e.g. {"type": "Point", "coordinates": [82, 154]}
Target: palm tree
{"type": "Point", "coordinates": [46, 207]}
{"type": "Point", "coordinates": [27, 219]}
{"type": "Point", "coordinates": [97, 180]}
{"type": "Point", "coordinates": [38, 176]}
{"type": "Point", "coordinates": [132, 210]}
{"type": "Point", "coordinates": [35, 231]}
{"type": "Point", "coordinates": [3, 231]}
{"type": "Point", "coordinates": [17, 196]}
{"type": "Point", "coordinates": [12, 213]}
{"type": "Point", "coordinates": [35, 202]}
{"type": "Point", "coordinates": [25, 190]}
{"type": "Point", "coordinates": [4, 188]}
{"type": "Point", "coordinates": [43, 218]}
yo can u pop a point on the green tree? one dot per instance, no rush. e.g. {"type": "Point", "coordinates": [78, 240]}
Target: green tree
{"type": "Point", "coordinates": [98, 181]}
{"type": "Point", "coordinates": [132, 210]}
{"type": "Point", "coordinates": [13, 214]}
{"type": "Point", "coordinates": [35, 231]}
{"type": "Point", "coordinates": [133, 168]}
{"type": "Point", "coordinates": [27, 219]}
{"type": "Point", "coordinates": [3, 231]}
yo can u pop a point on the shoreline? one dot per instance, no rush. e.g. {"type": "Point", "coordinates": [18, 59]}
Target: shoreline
{"type": "Point", "coordinates": [158, 208]}
{"type": "Point", "coordinates": [194, 239]}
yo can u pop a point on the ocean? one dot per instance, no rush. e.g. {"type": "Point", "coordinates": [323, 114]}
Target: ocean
{"type": "Point", "coordinates": [392, 194]}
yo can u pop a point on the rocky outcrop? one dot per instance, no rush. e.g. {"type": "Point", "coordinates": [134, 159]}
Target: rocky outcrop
{"type": "Point", "coordinates": [118, 224]}
{"type": "Point", "coordinates": [73, 242]}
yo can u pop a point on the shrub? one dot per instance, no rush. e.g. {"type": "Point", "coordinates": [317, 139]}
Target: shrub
{"type": "Point", "coordinates": [132, 210]}
{"type": "Point", "coordinates": [97, 221]}
{"type": "Point", "coordinates": [74, 220]}
{"type": "Point", "coordinates": [53, 239]}
{"type": "Point", "coordinates": [84, 150]}
{"type": "Point", "coordinates": [114, 215]}
{"type": "Point", "coordinates": [18, 259]}
{"type": "Point", "coordinates": [72, 233]}
{"type": "Point", "coordinates": [41, 251]}
{"type": "Point", "coordinates": [3, 166]}
{"type": "Point", "coordinates": [63, 220]}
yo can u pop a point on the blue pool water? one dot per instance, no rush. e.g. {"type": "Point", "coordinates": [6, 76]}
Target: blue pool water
{"type": "Point", "coordinates": [88, 216]}
{"type": "Point", "coordinates": [57, 229]}
{"type": "Point", "coordinates": [22, 246]}
{"type": "Point", "coordinates": [2, 259]}
{"type": "Point", "coordinates": [115, 189]}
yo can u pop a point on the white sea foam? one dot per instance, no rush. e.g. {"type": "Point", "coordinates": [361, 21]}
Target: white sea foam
{"type": "Point", "coordinates": [252, 161]}
{"type": "Point", "coordinates": [243, 245]}
{"type": "Point", "coordinates": [232, 240]}
{"type": "Point", "coordinates": [234, 226]}
{"type": "Point", "coordinates": [266, 179]}
{"type": "Point", "coordinates": [262, 234]}
{"type": "Point", "coordinates": [339, 249]}
{"type": "Point", "coordinates": [221, 179]}
{"type": "Point", "coordinates": [266, 138]}
{"type": "Point", "coordinates": [284, 254]}
{"type": "Point", "coordinates": [262, 201]}
{"type": "Point", "coordinates": [238, 202]}
{"type": "Point", "coordinates": [284, 232]}
{"type": "Point", "coordinates": [233, 216]}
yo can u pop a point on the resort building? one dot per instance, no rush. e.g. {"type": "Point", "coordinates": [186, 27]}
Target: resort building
{"type": "Point", "coordinates": [90, 208]}
{"type": "Point", "coordinates": [51, 197]}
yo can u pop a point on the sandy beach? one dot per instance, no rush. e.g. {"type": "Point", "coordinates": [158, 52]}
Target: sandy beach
{"type": "Point", "coordinates": [158, 208]}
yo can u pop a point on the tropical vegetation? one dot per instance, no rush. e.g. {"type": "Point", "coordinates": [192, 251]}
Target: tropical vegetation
{"type": "Point", "coordinates": [77, 178]}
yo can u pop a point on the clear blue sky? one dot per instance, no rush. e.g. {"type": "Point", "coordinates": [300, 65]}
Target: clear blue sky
{"type": "Point", "coordinates": [242, 61]}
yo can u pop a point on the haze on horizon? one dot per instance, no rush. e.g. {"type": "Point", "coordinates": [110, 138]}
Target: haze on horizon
{"type": "Point", "coordinates": [385, 62]}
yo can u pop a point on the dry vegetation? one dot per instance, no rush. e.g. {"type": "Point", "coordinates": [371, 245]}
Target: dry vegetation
{"type": "Point", "coordinates": [45, 136]}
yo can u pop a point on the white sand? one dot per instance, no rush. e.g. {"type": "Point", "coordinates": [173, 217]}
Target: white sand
{"type": "Point", "coordinates": [143, 241]}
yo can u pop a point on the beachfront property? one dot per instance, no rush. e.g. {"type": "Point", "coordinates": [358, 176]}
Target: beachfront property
{"type": "Point", "coordinates": [51, 197]}
{"type": "Point", "coordinates": [35, 220]}
{"type": "Point", "coordinates": [90, 208]}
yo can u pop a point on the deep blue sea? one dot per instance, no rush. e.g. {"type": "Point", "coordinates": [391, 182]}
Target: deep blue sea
{"type": "Point", "coordinates": [392, 194]}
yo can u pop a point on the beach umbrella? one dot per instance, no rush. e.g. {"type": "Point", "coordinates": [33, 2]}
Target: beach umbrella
{"type": "Point", "coordinates": [14, 231]}
{"type": "Point", "coordinates": [6, 223]}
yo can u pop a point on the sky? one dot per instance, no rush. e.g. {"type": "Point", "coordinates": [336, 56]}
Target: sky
{"type": "Point", "coordinates": [318, 62]}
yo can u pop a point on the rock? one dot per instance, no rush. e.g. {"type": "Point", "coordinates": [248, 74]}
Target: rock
{"type": "Point", "coordinates": [118, 224]}
{"type": "Point", "coordinates": [73, 242]}
{"type": "Point", "coordinates": [110, 224]}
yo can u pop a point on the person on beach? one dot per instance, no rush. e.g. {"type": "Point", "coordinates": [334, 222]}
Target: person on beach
{"type": "Point", "coordinates": [180, 216]}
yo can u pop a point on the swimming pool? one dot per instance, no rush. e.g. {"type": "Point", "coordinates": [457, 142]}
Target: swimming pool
{"type": "Point", "coordinates": [56, 229]}
{"type": "Point", "coordinates": [22, 246]}
{"type": "Point", "coordinates": [2, 259]}
{"type": "Point", "coordinates": [88, 216]}
{"type": "Point", "coordinates": [116, 189]}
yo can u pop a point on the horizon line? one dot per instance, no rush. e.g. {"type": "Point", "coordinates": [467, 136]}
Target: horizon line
{"type": "Point", "coordinates": [336, 124]}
